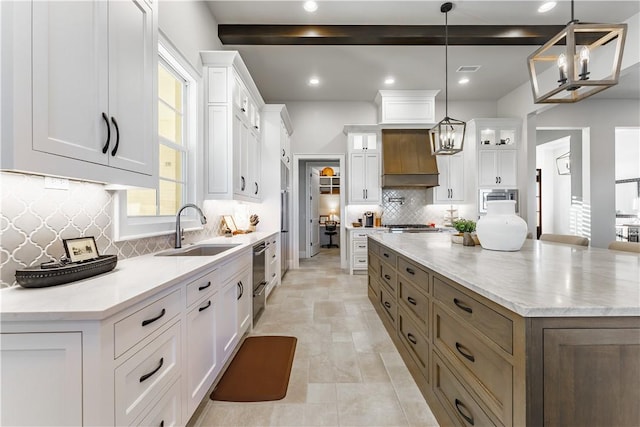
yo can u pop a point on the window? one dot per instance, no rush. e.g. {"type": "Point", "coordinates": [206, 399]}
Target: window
{"type": "Point", "coordinates": [148, 212]}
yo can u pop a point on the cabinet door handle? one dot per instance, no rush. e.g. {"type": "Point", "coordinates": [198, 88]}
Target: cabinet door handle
{"type": "Point", "coordinates": [386, 304]}
{"type": "Point", "coordinates": [410, 271]}
{"type": "Point", "coordinates": [242, 185]}
{"type": "Point", "coordinates": [206, 306]}
{"type": "Point", "coordinates": [465, 352]}
{"type": "Point", "coordinates": [462, 306]}
{"type": "Point", "coordinates": [500, 180]}
{"type": "Point", "coordinates": [496, 179]}
{"type": "Point", "coordinates": [115, 148]}
{"type": "Point", "coordinates": [149, 321]}
{"type": "Point", "coordinates": [202, 288]}
{"type": "Point", "coordinates": [146, 376]}
{"type": "Point", "coordinates": [412, 301]}
{"type": "Point", "coordinates": [363, 196]}
{"type": "Point", "coordinates": [386, 276]}
{"type": "Point", "coordinates": [386, 255]}
{"type": "Point", "coordinates": [162, 423]}
{"type": "Point", "coordinates": [412, 338]}
{"type": "Point", "coordinates": [283, 152]}
{"type": "Point", "coordinates": [106, 143]}
{"type": "Point", "coordinates": [467, 418]}
{"type": "Point", "coordinates": [239, 285]}
{"type": "Point", "coordinates": [257, 188]}
{"type": "Point", "coordinates": [288, 159]}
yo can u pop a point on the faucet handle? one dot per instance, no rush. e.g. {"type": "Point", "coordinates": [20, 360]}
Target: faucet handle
{"type": "Point", "coordinates": [181, 234]}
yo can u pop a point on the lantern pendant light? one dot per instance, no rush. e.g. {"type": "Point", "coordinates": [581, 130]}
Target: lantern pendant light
{"type": "Point", "coordinates": [588, 59]}
{"type": "Point", "coordinates": [447, 137]}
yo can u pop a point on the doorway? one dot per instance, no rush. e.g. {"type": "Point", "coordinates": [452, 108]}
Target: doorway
{"type": "Point", "coordinates": [306, 219]}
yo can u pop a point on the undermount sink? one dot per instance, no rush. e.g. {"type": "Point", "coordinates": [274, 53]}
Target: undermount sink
{"type": "Point", "coordinates": [198, 250]}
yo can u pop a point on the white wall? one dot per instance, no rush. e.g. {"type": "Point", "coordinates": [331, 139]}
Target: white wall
{"type": "Point", "coordinates": [556, 189]}
{"type": "Point", "coordinates": [190, 26]}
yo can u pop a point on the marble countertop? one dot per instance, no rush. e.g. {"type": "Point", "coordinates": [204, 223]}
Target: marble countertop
{"type": "Point", "coordinates": [133, 280]}
{"type": "Point", "coordinates": [543, 279]}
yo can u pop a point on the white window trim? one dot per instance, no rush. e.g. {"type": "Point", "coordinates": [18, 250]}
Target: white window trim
{"type": "Point", "coordinates": [129, 228]}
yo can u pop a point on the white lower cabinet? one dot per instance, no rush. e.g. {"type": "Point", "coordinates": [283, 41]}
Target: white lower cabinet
{"type": "Point", "coordinates": [151, 363]}
{"type": "Point", "coordinates": [43, 371]}
{"type": "Point", "coordinates": [203, 363]}
{"type": "Point", "coordinates": [272, 264]}
{"type": "Point", "coordinates": [357, 245]}
{"type": "Point", "coordinates": [167, 412]}
{"type": "Point", "coordinates": [140, 379]}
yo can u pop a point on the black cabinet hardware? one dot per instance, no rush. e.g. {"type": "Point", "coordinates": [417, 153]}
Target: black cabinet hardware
{"type": "Point", "coordinates": [206, 306]}
{"type": "Point", "coordinates": [386, 304]}
{"type": "Point", "coordinates": [465, 352]}
{"type": "Point", "coordinates": [462, 306]}
{"type": "Point", "coordinates": [146, 376]}
{"type": "Point", "coordinates": [410, 271]}
{"type": "Point", "coordinates": [412, 301]}
{"type": "Point", "coordinates": [412, 338]}
{"type": "Point", "coordinates": [115, 147]}
{"type": "Point", "coordinates": [467, 418]}
{"type": "Point", "coordinates": [202, 288]}
{"type": "Point", "coordinates": [148, 321]}
{"type": "Point", "coordinates": [106, 143]}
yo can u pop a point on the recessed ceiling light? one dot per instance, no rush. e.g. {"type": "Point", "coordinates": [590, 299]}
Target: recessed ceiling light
{"type": "Point", "coordinates": [310, 6]}
{"type": "Point", "coordinates": [314, 81]}
{"type": "Point", "coordinates": [463, 81]}
{"type": "Point", "coordinates": [546, 6]}
{"type": "Point", "coordinates": [389, 81]}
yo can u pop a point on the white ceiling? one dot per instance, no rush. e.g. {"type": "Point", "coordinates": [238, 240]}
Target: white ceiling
{"type": "Point", "coordinates": [356, 73]}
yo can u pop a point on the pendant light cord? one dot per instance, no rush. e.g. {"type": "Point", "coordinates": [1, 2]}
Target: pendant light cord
{"type": "Point", "coordinates": [446, 64]}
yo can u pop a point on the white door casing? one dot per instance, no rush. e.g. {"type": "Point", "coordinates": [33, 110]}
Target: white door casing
{"type": "Point", "coordinates": [313, 217]}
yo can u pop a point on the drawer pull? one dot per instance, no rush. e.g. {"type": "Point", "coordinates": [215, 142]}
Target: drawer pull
{"type": "Point", "coordinates": [462, 306]}
{"type": "Point", "coordinates": [162, 423]}
{"type": "Point", "coordinates": [202, 288]}
{"type": "Point", "coordinates": [206, 306]}
{"type": "Point", "coordinates": [412, 338]}
{"type": "Point", "coordinates": [410, 270]}
{"type": "Point", "coordinates": [465, 352]}
{"type": "Point", "coordinates": [148, 321]}
{"type": "Point", "coordinates": [412, 301]}
{"type": "Point", "coordinates": [466, 417]}
{"type": "Point", "coordinates": [386, 304]}
{"type": "Point", "coordinates": [146, 376]}
{"type": "Point", "coordinates": [386, 255]}
{"type": "Point", "coordinates": [386, 276]}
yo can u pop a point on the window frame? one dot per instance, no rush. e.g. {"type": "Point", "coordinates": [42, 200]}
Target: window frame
{"type": "Point", "coordinates": [129, 228]}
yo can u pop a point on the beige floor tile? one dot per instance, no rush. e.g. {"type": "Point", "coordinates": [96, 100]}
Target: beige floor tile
{"type": "Point", "coordinates": [346, 370]}
{"type": "Point", "coordinates": [369, 404]}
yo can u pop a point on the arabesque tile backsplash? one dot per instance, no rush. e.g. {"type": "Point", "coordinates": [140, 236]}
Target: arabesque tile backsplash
{"type": "Point", "coordinates": [34, 220]}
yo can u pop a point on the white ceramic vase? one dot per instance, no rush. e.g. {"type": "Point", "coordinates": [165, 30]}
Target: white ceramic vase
{"type": "Point", "coordinates": [501, 229]}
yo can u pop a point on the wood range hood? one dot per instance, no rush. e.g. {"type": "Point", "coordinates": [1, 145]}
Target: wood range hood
{"type": "Point", "coordinates": [407, 160]}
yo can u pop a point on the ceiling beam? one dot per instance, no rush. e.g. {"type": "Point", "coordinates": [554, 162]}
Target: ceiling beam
{"type": "Point", "coordinates": [459, 35]}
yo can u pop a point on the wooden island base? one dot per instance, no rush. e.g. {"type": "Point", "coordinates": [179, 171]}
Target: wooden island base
{"type": "Point", "coordinates": [478, 363]}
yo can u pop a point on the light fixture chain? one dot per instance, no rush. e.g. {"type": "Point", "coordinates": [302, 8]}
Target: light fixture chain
{"type": "Point", "coordinates": [446, 64]}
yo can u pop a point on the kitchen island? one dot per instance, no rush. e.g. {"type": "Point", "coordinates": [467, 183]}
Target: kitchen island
{"type": "Point", "coordinates": [548, 335]}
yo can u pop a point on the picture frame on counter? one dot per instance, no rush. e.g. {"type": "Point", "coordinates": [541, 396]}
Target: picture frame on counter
{"type": "Point", "coordinates": [324, 219]}
{"type": "Point", "coordinates": [230, 223]}
{"type": "Point", "coordinates": [81, 249]}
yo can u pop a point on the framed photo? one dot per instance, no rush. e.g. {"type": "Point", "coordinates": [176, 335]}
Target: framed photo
{"type": "Point", "coordinates": [324, 219]}
{"type": "Point", "coordinates": [231, 224]}
{"type": "Point", "coordinates": [80, 249]}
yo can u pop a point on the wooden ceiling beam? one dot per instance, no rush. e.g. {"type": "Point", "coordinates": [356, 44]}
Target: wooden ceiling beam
{"type": "Point", "coordinates": [459, 35]}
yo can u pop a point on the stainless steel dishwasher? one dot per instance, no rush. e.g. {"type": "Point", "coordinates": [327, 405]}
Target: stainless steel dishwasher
{"type": "Point", "coordinates": [259, 280]}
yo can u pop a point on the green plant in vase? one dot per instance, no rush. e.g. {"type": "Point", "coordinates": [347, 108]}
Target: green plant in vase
{"type": "Point", "coordinates": [462, 226]}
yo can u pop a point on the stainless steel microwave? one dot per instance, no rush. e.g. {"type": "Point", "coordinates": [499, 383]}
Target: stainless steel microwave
{"type": "Point", "coordinates": [487, 194]}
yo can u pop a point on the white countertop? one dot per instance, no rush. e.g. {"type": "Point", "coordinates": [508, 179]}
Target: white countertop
{"type": "Point", "coordinates": [132, 280]}
{"type": "Point", "coordinates": [543, 279]}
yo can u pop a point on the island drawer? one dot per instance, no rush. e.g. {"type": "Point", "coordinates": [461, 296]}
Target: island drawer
{"type": "Point", "coordinates": [491, 375]}
{"type": "Point", "coordinates": [414, 302]}
{"type": "Point", "coordinates": [139, 380]}
{"type": "Point", "coordinates": [135, 327]}
{"type": "Point", "coordinates": [416, 274]}
{"type": "Point", "coordinates": [388, 256]}
{"type": "Point", "coordinates": [412, 336]}
{"type": "Point", "coordinates": [492, 324]}
{"type": "Point", "coordinates": [200, 287]}
{"type": "Point", "coordinates": [457, 401]}
{"type": "Point", "coordinates": [374, 263]}
{"type": "Point", "coordinates": [389, 305]}
{"type": "Point", "coordinates": [388, 277]}
{"type": "Point", "coordinates": [373, 246]}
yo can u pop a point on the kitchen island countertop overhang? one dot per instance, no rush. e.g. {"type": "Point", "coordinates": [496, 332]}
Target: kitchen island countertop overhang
{"type": "Point", "coordinates": [543, 279]}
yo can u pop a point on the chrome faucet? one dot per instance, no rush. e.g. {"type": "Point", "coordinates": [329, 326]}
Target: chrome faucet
{"type": "Point", "coordinates": [203, 220]}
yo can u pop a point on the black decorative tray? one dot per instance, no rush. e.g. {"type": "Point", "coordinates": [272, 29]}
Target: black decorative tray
{"type": "Point", "coordinates": [39, 277]}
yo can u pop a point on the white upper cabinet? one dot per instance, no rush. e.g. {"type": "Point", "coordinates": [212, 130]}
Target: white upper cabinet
{"type": "Point", "coordinates": [233, 143]}
{"type": "Point", "coordinates": [359, 142]}
{"type": "Point", "coordinates": [406, 106]}
{"type": "Point", "coordinates": [451, 179]}
{"type": "Point", "coordinates": [497, 142]}
{"type": "Point", "coordinates": [364, 178]}
{"type": "Point", "coordinates": [91, 95]}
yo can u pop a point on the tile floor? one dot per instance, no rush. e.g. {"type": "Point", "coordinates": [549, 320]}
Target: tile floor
{"type": "Point", "coordinates": [346, 370]}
